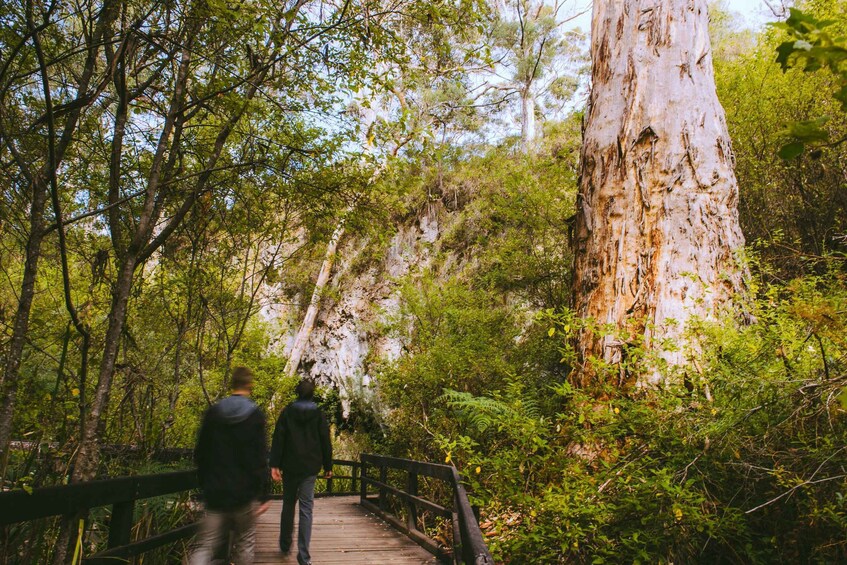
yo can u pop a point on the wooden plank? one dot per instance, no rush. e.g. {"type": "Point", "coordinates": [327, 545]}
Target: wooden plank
{"type": "Point", "coordinates": [19, 506]}
{"type": "Point", "coordinates": [418, 537]}
{"type": "Point", "coordinates": [342, 533]}
{"type": "Point", "coordinates": [436, 470]}
{"type": "Point", "coordinates": [411, 503]}
{"type": "Point", "coordinates": [120, 526]}
{"type": "Point", "coordinates": [474, 548]}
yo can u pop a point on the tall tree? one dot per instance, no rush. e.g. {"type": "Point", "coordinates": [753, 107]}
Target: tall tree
{"type": "Point", "coordinates": [30, 66]}
{"type": "Point", "coordinates": [657, 223]}
{"type": "Point", "coordinates": [212, 92]}
{"type": "Point", "coordinates": [418, 90]}
{"type": "Point", "coordinates": [188, 106]}
{"type": "Point", "coordinates": [533, 57]}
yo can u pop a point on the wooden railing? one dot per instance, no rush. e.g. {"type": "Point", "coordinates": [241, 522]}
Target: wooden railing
{"type": "Point", "coordinates": [468, 544]}
{"type": "Point", "coordinates": [330, 485]}
{"type": "Point", "coordinates": [122, 493]}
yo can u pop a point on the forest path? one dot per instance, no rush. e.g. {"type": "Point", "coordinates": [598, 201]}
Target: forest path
{"type": "Point", "coordinates": [342, 533]}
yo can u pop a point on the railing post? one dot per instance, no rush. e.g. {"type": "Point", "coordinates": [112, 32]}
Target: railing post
{"type": "Point", "coordinates": [383, 494]}
{"type": "Point", "coordinates": [363, 482]}
{"type": "Point", "coordinates": [457, 531]}
{"type": "Point", "coordinates": [411, 507]}
{"type": "Point", "coordinates": [120, 527]}
{"type": "Point", "coordinates": [354, 471]}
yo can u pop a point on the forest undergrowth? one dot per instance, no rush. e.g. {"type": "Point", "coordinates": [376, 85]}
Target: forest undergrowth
{"type": "Point", "coordinates": [738, 459]}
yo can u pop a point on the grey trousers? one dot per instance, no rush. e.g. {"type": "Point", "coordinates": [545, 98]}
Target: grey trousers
{"type": "Point", "coordinates": [294, 490]}
{"type": "Point", "coordinates": [214, 533]}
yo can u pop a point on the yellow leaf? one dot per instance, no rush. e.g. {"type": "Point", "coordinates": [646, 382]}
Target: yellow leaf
{"type": "Point", "coordinates": [75, 392]}
{"type": "Point", "coordinates": [677, 514]}
{"type": "Point", "coordinates": [551, 331]}
{"type": "Point", "coordinates": [448, 458]}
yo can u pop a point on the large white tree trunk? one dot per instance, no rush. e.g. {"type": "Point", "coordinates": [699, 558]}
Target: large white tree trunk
{"type": "Point", "coordinates": [301, 340]}
{"type": "Point", "coordinates": [657, 222]}
{"type": "Point", "coordinates": [308, 324]}
{"type": "Point", "coordinates": [527, 120]}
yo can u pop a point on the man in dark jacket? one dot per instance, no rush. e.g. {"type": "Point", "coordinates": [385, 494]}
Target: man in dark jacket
{"type": "Point", "coordinates": [231, 458]}
{"type": "Point", "coordinates": [301, 446]}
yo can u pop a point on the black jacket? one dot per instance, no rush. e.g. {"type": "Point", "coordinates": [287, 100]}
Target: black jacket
{"type": "Point", "coordinates": [301, 442]}
{"type": "Point", "coordinates": [231, 454]}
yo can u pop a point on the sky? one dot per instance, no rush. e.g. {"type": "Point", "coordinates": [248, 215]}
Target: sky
{"type": "Point", "coordinates": [755, 12]}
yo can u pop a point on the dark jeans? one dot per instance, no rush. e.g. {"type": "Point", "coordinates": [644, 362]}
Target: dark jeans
{"type": "Point", "coordinates": [296, 489]}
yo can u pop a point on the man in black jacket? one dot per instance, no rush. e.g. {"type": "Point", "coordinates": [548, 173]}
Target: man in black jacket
{"type": "Point", "coordinates": [231, 458]}
{"type": "Point", "coordinates": [301, 446]}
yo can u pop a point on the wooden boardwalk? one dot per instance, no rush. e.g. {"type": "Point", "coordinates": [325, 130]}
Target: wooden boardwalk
{"type": "Point", "coordinates": [342, 533]}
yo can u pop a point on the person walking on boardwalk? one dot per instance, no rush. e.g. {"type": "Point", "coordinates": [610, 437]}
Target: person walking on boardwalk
{"type": "Point", "coordinates": [231, 458]}
{"type": "Point", "coordinates": [301, 446]}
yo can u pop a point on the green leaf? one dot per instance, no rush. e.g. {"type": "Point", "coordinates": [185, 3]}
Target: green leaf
{"type": "Point", "coordinates": [841, 96]}
{"type": "Point", "coordinates": [809, 130]}
{"type": "Point", "coordinates": [842, 398]}
{"type": "Point", "coordinates": [791, 150]}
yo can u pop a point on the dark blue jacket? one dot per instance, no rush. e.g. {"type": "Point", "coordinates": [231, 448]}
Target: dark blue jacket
{"type": "Point", "coordinates": [231, 454]}
{"type": "Point", "coordinates": [301, 444]}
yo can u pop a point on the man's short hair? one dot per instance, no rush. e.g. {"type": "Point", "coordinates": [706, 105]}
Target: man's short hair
{"type": "Point", "coordinates": [305, 389]}
{"type": "Point", "coordinates": [242, 377]}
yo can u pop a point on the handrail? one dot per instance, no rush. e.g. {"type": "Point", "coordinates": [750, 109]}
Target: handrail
{"type": "Point", "coordinates": [329, 488]}
{"type": "Point", "coordinates": [121, 493]}
{"type": "Point", "coordinates": [20, 506]}
{"type": "Point", "coordinates": [468, 544]}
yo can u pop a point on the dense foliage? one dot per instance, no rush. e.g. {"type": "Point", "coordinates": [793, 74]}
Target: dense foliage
{"type": "Point", "coordinates": [792, 211]}
{"type": "Point", "coordinates": [740, 463]}
{"type": "Point", "coordinates": [739, 458]}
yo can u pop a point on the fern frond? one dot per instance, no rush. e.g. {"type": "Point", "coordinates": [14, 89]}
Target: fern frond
{"type": "Point", "coordinates": [484, 412]}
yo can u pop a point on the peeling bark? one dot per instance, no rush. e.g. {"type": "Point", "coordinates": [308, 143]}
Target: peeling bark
{"type": "Point", "coordinates": [657, 222]}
